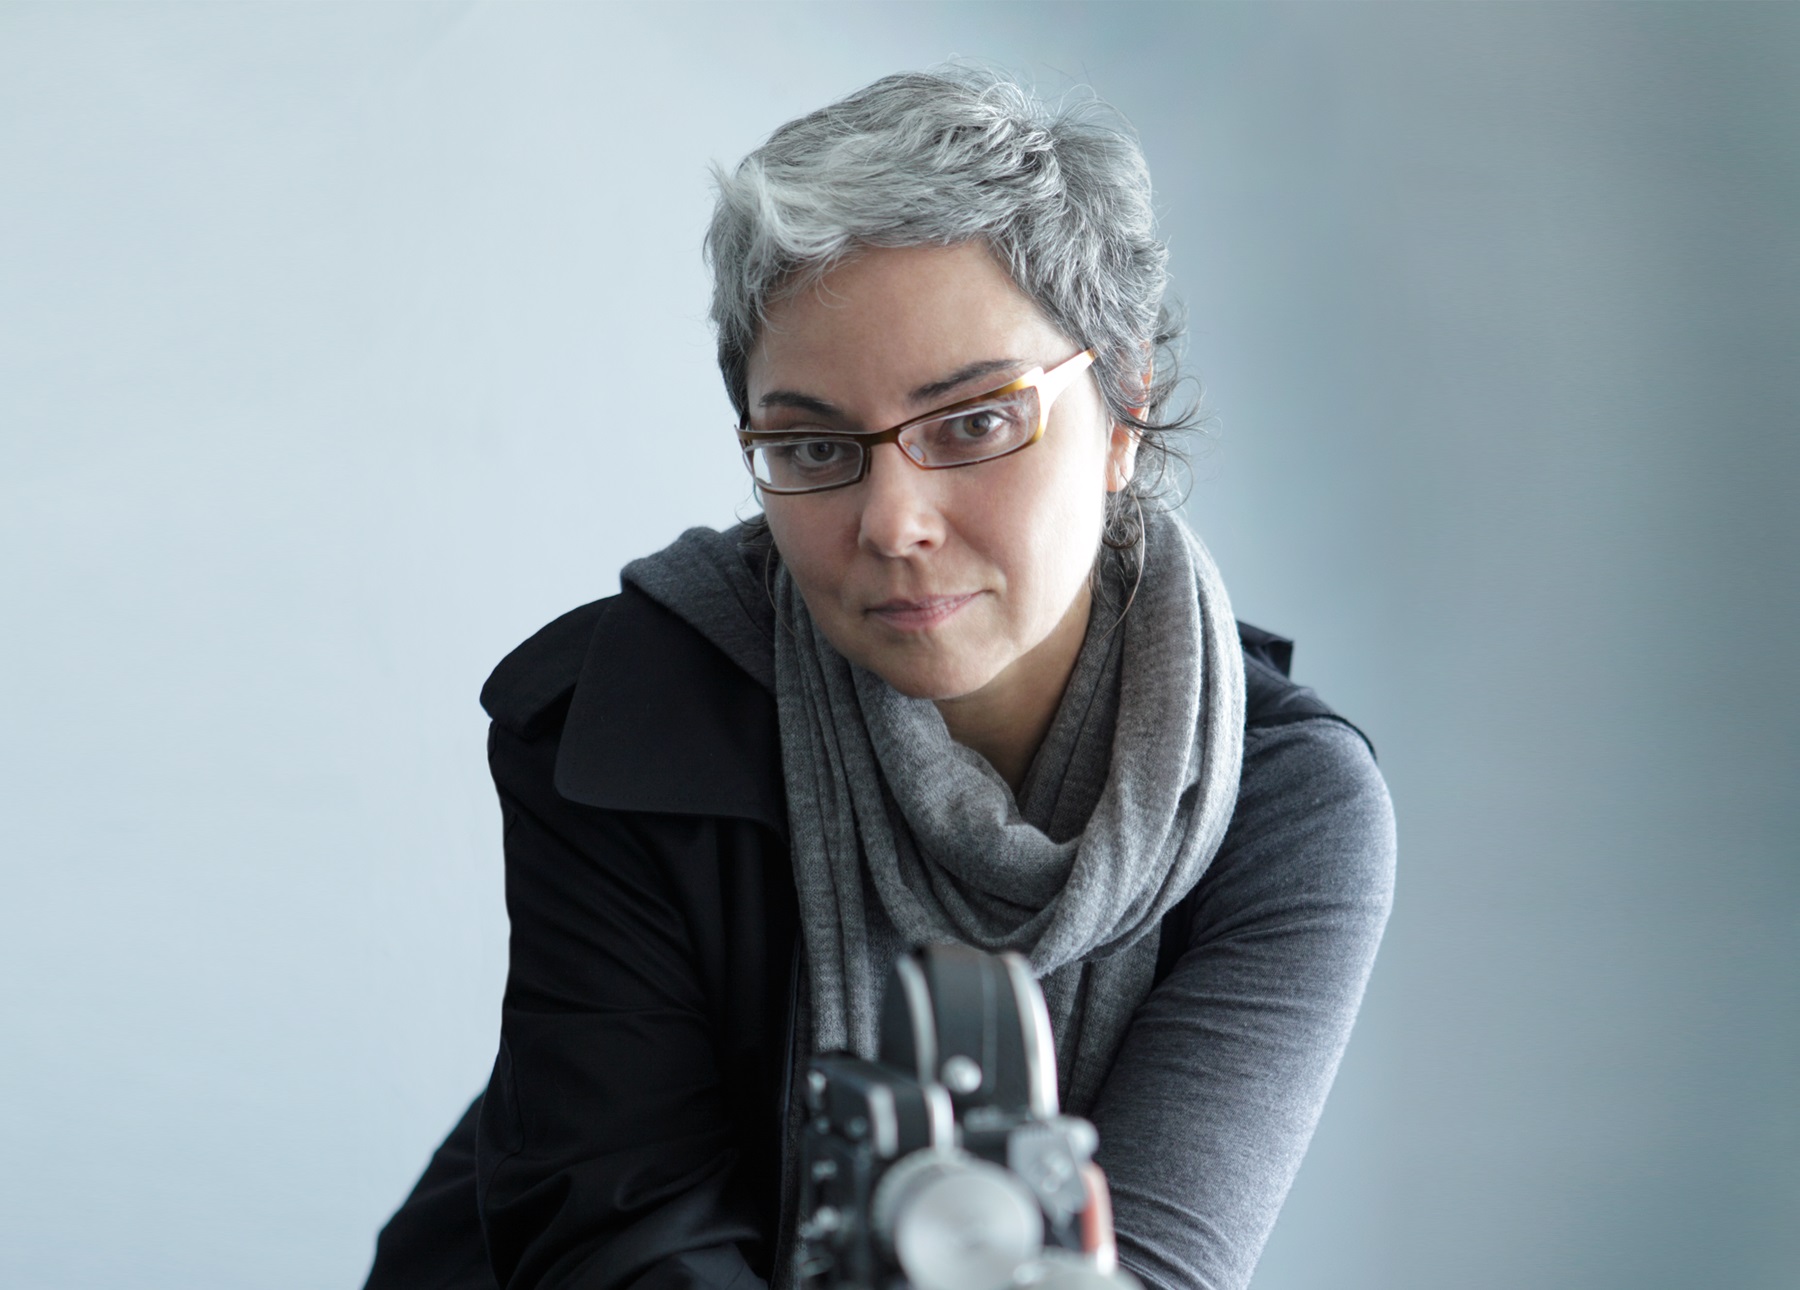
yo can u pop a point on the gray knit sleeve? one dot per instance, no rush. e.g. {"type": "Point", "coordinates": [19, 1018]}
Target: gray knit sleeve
{"type": "Point", "coordinates": [1213, 1098]}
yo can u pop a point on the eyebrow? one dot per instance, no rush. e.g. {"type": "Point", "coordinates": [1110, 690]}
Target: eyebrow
{"type": "Point", "coordinates": [933, 390]}
{"type": "Point", "coordinates": [926, 393]}
{"type": "Point", "coordinates": [801, 402]}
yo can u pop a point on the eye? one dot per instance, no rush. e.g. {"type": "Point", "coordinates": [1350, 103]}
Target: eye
{"type": "Point", "coordinates": [980, 425]}
{"type": "Point", "coordinates": [813, 452]}
{"type": "Point", "coordinates": [974, 426]}
{"type": "Point", "coordinates": [809, 458]}
{"type": "Point", "coordinates": [989, 429]}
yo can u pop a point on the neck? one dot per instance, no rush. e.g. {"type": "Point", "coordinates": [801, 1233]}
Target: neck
{"type": "Point", "coordinates": [1006, 720]}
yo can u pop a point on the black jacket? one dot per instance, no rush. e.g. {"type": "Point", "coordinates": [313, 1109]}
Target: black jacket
{"type": "Point", "coordinates": [630, 1133]}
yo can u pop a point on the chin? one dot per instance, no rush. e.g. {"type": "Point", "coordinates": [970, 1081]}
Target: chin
{"type": "Point", "coordinates": [939, 666]}
{"type": "Point", "coordinates": [936, 679]}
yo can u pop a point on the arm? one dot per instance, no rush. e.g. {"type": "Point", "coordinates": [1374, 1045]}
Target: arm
{"type": "Point", "coordinates": [607, 1147]}
{"type": "Point", "coordinates": [1214, 1096]}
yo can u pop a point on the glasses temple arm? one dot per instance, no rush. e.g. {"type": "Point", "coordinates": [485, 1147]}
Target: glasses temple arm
{"type": "Point", "coordinates": [1063, 375]}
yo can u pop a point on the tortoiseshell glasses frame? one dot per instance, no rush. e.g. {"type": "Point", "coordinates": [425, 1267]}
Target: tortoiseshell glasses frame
{"type": "Point", "coordinates": [968, 432]}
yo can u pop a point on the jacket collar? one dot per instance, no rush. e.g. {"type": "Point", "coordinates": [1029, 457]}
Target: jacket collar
{"type": "Point", "coordinates": [662, 721]}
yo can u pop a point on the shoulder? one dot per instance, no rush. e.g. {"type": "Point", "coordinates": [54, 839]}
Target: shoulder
{"type": "Point", "coordinates": [1311, 785]}
{"type": "Point", "coordinates": [1271, 698]}
{"type": "Point", "coordinates": [1310, 848]}
{"type": "Point", "coordinates": [1313, 812]}
{"type": "Point", "coordinates": [1309, 775]}
{"type": "Point", "coordinates": [539, 674]}
{"type": "Point", "coordinates": [1311, 838]}
{"type": "Point", "coordinates": [645, 713]}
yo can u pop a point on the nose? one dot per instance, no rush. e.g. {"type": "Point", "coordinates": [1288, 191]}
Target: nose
{"type": "Point", "coordinates": [900, 515]}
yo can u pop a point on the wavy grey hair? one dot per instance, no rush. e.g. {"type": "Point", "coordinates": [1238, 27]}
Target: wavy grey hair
{"type": "Point", "coordinates": [960, 154]}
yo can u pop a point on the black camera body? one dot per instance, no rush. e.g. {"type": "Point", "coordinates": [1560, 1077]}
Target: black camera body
{"type": "Point", "coordinates": [945, 1164]}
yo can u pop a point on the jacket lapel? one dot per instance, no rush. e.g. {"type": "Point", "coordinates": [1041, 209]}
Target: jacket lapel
{"type": "Point", "coordinates": [661, 721]}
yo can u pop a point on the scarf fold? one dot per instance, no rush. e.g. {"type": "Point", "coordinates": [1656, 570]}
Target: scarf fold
{"type": "Point", "coordinates": [900, 836]}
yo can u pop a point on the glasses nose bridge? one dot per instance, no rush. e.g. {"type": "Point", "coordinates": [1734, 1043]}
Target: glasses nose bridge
{"type": "Point", "coordinates": [893, 436]}
{"type": "Point", "coordinates": [905, 468]}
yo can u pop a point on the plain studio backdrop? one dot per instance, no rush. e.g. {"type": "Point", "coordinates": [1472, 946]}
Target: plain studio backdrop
{"type": "Point", "coordinates": [344, 345]}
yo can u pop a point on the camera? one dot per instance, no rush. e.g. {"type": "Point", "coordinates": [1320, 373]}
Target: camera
{"type": "Point", "coordinates": [946, 1163]}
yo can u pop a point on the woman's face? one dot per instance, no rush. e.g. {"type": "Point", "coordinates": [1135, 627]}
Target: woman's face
{"type": "Point", "coordinates": [945, 583]}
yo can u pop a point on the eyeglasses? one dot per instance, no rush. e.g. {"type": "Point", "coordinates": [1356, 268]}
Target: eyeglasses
{"type": "Point", "coordinates": [986, 427]}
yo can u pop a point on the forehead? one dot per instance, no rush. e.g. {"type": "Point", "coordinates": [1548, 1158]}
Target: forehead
{"type": "Point", "coordinates": [892, 319]}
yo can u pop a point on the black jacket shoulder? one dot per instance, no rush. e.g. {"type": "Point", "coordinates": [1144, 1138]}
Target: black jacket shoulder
{"type": "Point", "coordinates": [1271, 698]}
{"type": "Point", "coordinates": [535, 680]}
{"type": "Point", "coordinates": [649, 714]}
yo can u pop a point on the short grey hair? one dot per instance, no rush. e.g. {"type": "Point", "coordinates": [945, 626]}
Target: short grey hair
{"type": "Point", "coordinates": [962, 154]}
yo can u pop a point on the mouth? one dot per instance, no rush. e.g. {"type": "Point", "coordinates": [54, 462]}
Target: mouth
{"type": "Point", "coordinates": [920, 614]}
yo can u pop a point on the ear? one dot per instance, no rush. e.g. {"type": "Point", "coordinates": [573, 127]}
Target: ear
{"type": "Point", "coordinates": [1121, 450]}
{"type": "Point", "coordinates": [1121, 456]}
{"type": "Point", "coordinates": [1149, 378]}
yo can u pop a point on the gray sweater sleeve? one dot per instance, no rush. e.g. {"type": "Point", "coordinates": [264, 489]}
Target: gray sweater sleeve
{"type": "Point", "coordinates": [1213, 1098]}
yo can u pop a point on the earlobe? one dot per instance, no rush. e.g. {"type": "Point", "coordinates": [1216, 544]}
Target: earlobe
{"type": "Point", "coordinates": [1121, 460]}
{"type": "Point", "coordinates": [1149, 380]}
{"type": "Point", "coordinates": [1121, 456]}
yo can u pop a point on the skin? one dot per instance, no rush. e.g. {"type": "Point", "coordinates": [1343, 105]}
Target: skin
{"type": "Point", "coordinates": [968, 587]}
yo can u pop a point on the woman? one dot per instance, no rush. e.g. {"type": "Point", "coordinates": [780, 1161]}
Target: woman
{"type": "Point", "coordinates": [959, 682]}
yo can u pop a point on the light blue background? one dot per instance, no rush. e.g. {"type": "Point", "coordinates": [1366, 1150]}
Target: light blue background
{"type": "Point", "coordinates": [343, 345]}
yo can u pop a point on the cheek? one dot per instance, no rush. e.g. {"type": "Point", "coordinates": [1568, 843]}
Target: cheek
{"type": "Point", "coordinates": [1059, 532]}
{"type": "Point", "coordinates": [813, 545]}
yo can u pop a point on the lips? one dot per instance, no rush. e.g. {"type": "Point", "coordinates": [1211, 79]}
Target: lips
{"type": "Point", "coordinates": [920, 614]}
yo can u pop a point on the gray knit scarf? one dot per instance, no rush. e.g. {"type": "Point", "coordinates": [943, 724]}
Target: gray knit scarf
{"type": "Point", "coordinates": [901, 836]}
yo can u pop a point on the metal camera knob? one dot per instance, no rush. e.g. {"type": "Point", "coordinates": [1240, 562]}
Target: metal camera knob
{"type": "Point", "coordinates": [954, 1222]}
